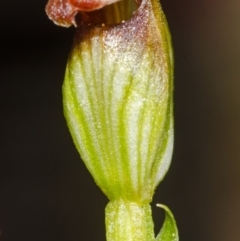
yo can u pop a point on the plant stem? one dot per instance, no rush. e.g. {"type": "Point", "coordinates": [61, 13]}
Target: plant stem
{"type": "Point", "coordinates": [128, 221]}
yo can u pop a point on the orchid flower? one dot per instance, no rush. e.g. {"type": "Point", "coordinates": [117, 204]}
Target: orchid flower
{"type": "Point", "coordinates": [117, 97]}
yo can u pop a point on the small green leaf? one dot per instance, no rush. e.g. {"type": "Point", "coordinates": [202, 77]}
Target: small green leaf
{"type": "Point", "coordinates": [169, 230]}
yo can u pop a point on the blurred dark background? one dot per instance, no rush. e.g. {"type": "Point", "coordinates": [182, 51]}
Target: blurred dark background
{"type": "Point", "coordinates": [46, 192]}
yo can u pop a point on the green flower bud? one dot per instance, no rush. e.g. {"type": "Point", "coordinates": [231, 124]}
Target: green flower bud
{"type": "Point", "coordinates": [117, 97]}
{"type": "Point", "coordinates": [118, 103]}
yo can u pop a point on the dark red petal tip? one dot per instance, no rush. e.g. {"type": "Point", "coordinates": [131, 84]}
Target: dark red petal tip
{"type": "Point", "coordinates": [63, 12]}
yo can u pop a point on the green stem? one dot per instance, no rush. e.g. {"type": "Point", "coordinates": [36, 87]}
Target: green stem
{"type": "Point", "coordinates": [129, 221]}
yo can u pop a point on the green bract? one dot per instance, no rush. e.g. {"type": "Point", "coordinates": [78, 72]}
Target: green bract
{"type": "Point", "coordinates": [118, 106]}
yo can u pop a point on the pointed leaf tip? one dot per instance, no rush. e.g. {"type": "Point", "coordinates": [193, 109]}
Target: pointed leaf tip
{"type": "Point", "coordinates": [169, 230]}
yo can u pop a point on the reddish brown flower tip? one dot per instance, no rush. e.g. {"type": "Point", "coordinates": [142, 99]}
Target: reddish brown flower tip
{"type": "Point", "coordinates": [90, 5]}
{"type": "Point", "coordinates": [63, 12]}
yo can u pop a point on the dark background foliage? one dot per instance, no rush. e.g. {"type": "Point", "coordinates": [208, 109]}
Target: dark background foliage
{"type": "Point", "coordinates": [46, 192]}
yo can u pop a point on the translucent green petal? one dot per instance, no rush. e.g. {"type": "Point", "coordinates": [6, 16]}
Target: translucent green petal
{"type": "Point", "coordinates": [118, 103]}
